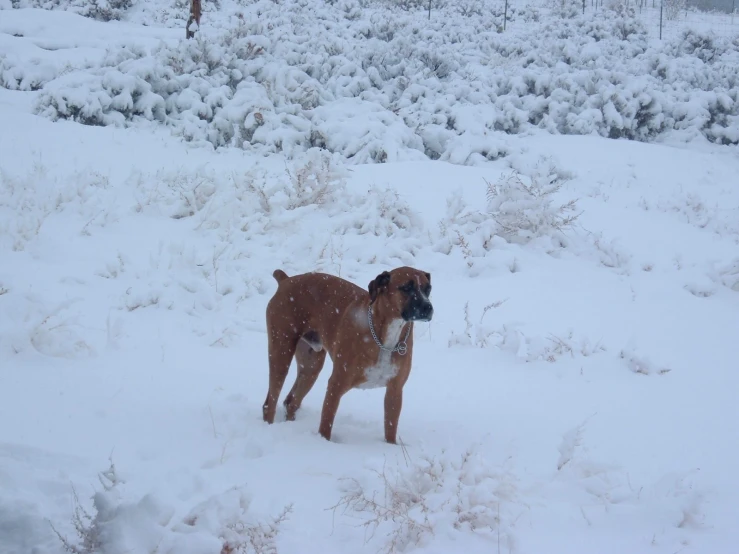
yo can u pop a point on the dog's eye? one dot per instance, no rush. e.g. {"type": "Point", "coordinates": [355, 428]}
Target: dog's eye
{"type": "Point", "coordinates": [407, 288]}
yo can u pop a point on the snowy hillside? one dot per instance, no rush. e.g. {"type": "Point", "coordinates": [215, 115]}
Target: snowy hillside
{"type": "Point", "coordinates": [576, 389]}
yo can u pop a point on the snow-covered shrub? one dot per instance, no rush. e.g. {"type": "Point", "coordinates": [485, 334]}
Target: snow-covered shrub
{"type": "Point", "coordinates": [700, 44]}
{"type": "Point", "coordinates": [608, 253]}
{"type": "Point", "coordinates": [625, 23]}
{"type": "Point", "coordinates": [190, 84]}
{"type": "Point", "coordinates": [221, 524]}
{"type": "Point", "coordinates": [469, 8]}
{"type": "Point", "coordinates": [566, 8]}
{"type": "Point", "coordinates": [112, 100]}
{"type": "Point", "coordinates": [529, 13]}
{"type": "Point", "coordinates": [88, 527]}
{"type": "Point", "coordinates": [456, 495]}
{"type": "Point", "coordinates": [47, 326]}
{"type": "Point", "coordinates": [439, 65]}
{"type": "Point", "coordinates": [408, 5]}
{"type": "Point", "coordinates": [189, 192]}
{"type": "Point", "coordinates": [465, 229]}
{"type": "Point", "coordinates": [642, 364]}
{"type": "Point", "coordinates": [351, 8]}
{"type": "Point", "coordinates": [30, 75]}
{"type": "Point", "coordinates": [510, 338]}
{"type": "Point", "coordinates": [526, 14]}
{"type": "Point", "coordinates": [695, 208]}
{"type": "Point", "coordinates": [520, 208]}
{"type": "Point", "coordinates": [727, 274]}
{"type": "Point", "coordinates": [107, 10]}
{"type": "Point", "coordinates": [364, 132]}
{"type": "Point", "coordinates": [225, 518]}
{"type": "Point", "coordinates": [316, 179]}
{"type": "Point", "coordinates": [27, 201]}
{"type": "Point", "coordinates": [476, 334]}
{"type": "Point", "coordinates": [524, 209]}
{"type": "Point", "coordinates": [103, 10]}
{"type": "Point", "coordinates": [673, 8]}
{"type": "Point", "coordinates": [381, 212]}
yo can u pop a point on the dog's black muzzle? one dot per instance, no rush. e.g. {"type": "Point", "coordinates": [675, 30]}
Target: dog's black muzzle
{"type": "Point", "coordinates": [418, 311]}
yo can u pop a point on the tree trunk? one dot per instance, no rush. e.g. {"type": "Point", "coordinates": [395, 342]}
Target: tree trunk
{"type": "Point", "coordinates": [193, 22]}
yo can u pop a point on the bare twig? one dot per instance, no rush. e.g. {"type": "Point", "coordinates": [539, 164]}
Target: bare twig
{"type": "Point", "coordinates": [213, 422]}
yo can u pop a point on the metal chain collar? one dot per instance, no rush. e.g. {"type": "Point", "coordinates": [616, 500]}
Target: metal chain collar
{"type": "Point", "coordinates": [401, 348]}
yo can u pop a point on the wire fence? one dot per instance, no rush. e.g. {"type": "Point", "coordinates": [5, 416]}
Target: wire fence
{"type": "Point", "coordinates": [662, 18]}
{"type": "Point", "coordinates": [667, 18]}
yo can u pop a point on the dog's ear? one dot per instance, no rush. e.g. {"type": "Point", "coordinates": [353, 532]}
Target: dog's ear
{"type": "Point", "coordinates": [378, 285]}
{"type": "Point", "coordinates": [428, 276]}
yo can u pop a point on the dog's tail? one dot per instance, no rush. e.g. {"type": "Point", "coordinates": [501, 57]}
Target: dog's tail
{"type": "Point", "coordinates": [279, 275]}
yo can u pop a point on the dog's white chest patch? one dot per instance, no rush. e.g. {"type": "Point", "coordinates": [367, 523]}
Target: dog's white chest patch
{"type": "Point", "coordinates": [383, 370]}
{"type": "Point", "coordinates": [379, 374]}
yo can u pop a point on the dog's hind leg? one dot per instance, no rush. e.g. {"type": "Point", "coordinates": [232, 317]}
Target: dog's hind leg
{"type": "Point", "coordinates": [310, 362]}
{"type": "Point", "coordinates": [280, 351]}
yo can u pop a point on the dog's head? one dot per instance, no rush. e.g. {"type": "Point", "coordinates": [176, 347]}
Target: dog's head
{"type": "Point", "coordinates": [404, 290]}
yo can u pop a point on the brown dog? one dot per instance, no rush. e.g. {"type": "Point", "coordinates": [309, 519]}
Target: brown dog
{"type": "Point", "coordinates": [368, 335]}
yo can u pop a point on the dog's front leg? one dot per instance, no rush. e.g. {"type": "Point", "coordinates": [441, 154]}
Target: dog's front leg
{"type": "Point", "coordinates": [393, 406]}
{"type": "Point", "coordinates": [334, 392]}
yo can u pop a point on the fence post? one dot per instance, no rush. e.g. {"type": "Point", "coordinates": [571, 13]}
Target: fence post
{"type": "Point", "coordinates": [195, 11]}
{"type": "Point", "coordinates": [429, 9]}
{"type": "Point", "coordinates": [505, 14]}
{"type": "Point", "coordinates": [583, 7]}
{"type": "Point", "coordinates": [661, 3]}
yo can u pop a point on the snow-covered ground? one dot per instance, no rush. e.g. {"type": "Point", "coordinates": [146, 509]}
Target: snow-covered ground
{"type": "Point", "coordinates": [576, 389]}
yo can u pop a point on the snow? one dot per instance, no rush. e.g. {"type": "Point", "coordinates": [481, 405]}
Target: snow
{"type": "Point", "coordinates": [576, 389]}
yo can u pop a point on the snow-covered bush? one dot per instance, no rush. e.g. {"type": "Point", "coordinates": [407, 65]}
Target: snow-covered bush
{"type": "Point", "coordinates": [113, 100]}
{"type": "Point", "coordinates": [29, 75]}
{"type": "Point", "coordinates": [641, 364]}
{"type": "Point", "coordinates": [103, 10]}
{"type": "Point", "coordinates": [673, 8]}
{"type": "Point", "coordinates": [364, 132]}
{"type": "Point", "coordinates": [316, 179]}
{"type": "Point", "coordinates": [521, 207]}
{"type": "Point", "coordinates": [565, 8]}
{"type": "Point", "coordinates": [466, 229]}
{"type": "Point", "coordinates": [528, 13]}
{"type": "Point", "coordinates": [477, 334]}
{"type": "Point", "coordinates": [606, 252]}
{"type": "Point", "coordinates": [221, 524]}
{"type": "Point", "coordinates": [524, 209]}
{"type": "Point", "coordinates": [700, 44]}
{"type": "Point", "coordinates": [27, 201]}
{"type": "Point", "coordinates": [408, 5]}
{"type": "Point", "coordinates": [193, 83]}
{"type": "Point", "coordinates": [382, 212]}
{"type": "Point", "coordinates": [89, 527]}
{"type": "Point", "coordinates": [470, 8]}
{"type": "Point", "coordinates": [727, 274]}
{"type": "Point", "coordinates": [509, 338]}
{"type": "Point", "coordinates": [465, 494]}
